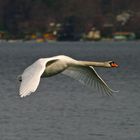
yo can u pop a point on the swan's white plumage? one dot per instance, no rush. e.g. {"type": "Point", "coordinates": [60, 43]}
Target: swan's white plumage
{"type": "Point", "coordinates": [31, 77]}
{"type": "Point", "coordinates": [89, 77]}
{"type": "Point", "coordinates": [78, 70]}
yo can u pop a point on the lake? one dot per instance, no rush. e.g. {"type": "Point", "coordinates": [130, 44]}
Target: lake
{"type": "Point", "coordinates": [62, 108]}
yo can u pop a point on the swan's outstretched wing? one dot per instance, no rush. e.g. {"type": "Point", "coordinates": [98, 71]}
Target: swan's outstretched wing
{"type": "Point", "coordinates": [31, 77]}
{"type": "Point", "coordinates": [89, 77]}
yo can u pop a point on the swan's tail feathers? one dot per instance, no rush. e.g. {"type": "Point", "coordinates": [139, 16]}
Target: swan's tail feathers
{"type": "Point", "coordinates": [89, 77]}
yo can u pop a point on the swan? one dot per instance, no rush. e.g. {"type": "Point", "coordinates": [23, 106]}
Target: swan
{"type": "Point", "coordinates": [82, 71]}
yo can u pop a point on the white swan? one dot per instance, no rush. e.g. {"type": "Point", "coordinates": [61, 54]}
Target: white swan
{"type": "Point", "coordinates": [82, 71]}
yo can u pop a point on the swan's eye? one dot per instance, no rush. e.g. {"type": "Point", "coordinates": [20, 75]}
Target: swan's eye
{"type": "Point", "coordinates": [111, 62]}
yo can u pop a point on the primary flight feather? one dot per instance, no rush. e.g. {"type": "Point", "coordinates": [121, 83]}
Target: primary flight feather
{"type": "Point", "coordinates": [82, 71]}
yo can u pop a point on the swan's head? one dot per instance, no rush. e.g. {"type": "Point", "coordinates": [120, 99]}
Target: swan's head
{"type": "Point", "coordinates": [113, 64]}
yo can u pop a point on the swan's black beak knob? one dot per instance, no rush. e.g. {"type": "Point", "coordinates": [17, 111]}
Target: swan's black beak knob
{"type": "Point", "coordinates": [113, 64]}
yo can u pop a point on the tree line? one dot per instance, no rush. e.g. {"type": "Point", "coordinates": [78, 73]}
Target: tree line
{"type": "Point", "coordinates": [25, 16]}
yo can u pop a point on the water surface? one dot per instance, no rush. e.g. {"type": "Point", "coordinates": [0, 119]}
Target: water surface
{"type": "Point", "coordinates": [63, 109]}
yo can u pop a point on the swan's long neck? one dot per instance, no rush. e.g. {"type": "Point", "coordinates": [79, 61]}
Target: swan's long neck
{"type": "Point", "coordinates": [95, 64]}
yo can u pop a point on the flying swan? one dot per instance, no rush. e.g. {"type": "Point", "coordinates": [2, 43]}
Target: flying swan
{"type": "Point", "coordinates": [82, 71]}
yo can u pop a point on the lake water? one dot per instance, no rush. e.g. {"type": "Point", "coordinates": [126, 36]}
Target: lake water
{"type": "Point", "coordinates": [63, 109]}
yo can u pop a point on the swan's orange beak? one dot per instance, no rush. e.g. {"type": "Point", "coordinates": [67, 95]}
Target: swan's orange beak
{"type": "Point", "coordinates": [113, 64]}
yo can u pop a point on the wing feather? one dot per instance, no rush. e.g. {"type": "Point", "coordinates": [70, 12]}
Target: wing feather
{"type": "Point", "coordinates": [89, 77]}
{"type": "Point", "coordinates": [31, 77]}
